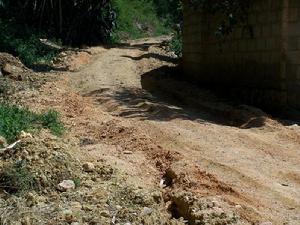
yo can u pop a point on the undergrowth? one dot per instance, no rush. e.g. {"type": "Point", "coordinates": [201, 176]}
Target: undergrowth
{"type": "Point", "coordinates": [17, 179]}
{"type": "Point", "coordinates": [175, 45]}
{"type": "Point", "coordinates": [24, 42]}
{"type": "Point", "coordinates": [137, 19]}
{"type": "Point", "coordinates": [14, 119]}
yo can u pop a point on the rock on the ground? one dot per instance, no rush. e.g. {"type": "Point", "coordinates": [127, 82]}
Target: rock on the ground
{"type": "Point", "coordinates": [3, 141]}
{"type": "Point", "coordinates": [66, 185]}
{"type": "Point", "coordinates": [147, 211]}
{"type": "Point", "coordinates": [88, 167]}
{"type": "Point", "coordinates": [26, 221]}
{"type": "Point", "coordinates": [11, 69]}
{"type": "Point", "coordinates": [76, 205]}
{"type": "Point", "coordinates": [25, 135]}
{"type": "Point", "coordinates": [105, 213]}
{"type": "Point", "coordinates": [68, 216]}
{"type": "Point", "coordinates": [75, 223]}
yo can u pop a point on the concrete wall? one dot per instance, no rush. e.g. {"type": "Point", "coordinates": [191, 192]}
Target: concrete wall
{"type": "Point", "coordinates": [262, 67]}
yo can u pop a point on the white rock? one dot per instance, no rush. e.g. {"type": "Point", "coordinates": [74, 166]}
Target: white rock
{"type": "Point", "coordinates": [25, 135]}
{"type": "Point", "coordinates": [66, 185]}
{"type": "Point", "coordinates": [88, 167]}
{"type": "Point", "coordinates": [63, 54]}
{"type": "Point", "coordinates": [162, 183]}
{"type": "Point", "coordinates": [75, 223]}
{"type": "Point", "coordinates": [238, 207]}
{"type": "Point", "coordinates": [147, 211]}
{"type": "Point", "coordinates": [3, 141]}
{"type": "Point", "coordinates": [9, 69]}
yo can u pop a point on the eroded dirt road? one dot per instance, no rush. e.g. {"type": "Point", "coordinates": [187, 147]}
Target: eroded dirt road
{"type": "Point", "coordinates": [255, 169]}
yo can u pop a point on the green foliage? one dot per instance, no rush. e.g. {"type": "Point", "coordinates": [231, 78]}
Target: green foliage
{"type": "Point", "coordinates": [77, 182]}
{"type": "Point", "coordinates": [136, 19]}
{"type": "Point", "coordinates": [231, 13]}
{"type": "Point", "coordinates": [169, 11]}
{"type": "Point", "coordinates": [50, 120]}
{"type": "Point", "coordinates": [24, 43]}
{"type": "Point", "coordinates": [175, 45]}
{"type": "Point", "coordinates": [16, 179]}
{"type": "Point", "coordinates": [75, 22]}
{"type": "Point", "coordinates": [14, 119]}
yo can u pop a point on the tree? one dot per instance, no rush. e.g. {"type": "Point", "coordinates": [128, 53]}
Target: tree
{"type": "Point", "coordinates": [233, 12]}
{"type": "Point", "coordinates": [74, 21]}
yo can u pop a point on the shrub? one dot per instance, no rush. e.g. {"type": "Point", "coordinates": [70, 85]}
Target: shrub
{"type": "Point", "coordinates": [24, 43]}
{"type": "Point", "coordinates": [175, 45]}
{"type": "Point", "coordinates": [75, 22]}
{"type": "Point", "coordinates": [136, 19]}
{"type": "Point", "coordinates": [14, 119]}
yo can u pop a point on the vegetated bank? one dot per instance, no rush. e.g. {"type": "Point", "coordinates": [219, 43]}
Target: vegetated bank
{"type": "Point", "coordinates": [73, 23]}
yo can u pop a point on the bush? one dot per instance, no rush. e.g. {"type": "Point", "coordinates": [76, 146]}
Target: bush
{"type": "Point", "coordinates": [75, 22]}
{"type": "Point", "coordinates": [175, 45]}
{"type": "Point", "coordinates": [137, 19]}
{"type": "Point", "coordinates": [170, 11]}
{"type": "Point", "coordinates": [24, 43]}
{"type": "Point", "coordinates": [14, 119]}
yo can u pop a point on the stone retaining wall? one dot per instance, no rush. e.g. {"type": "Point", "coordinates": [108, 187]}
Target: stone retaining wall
{"type": "Point", "coordinates": [261, 64]}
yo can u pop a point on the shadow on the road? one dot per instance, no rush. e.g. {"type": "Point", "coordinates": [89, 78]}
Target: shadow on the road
{"type": "Point", "coordinates": [139, 46]}
{"type": "Point", "coordinates": [138, 103]}
{"type": "Point", "coordinates": [155, 56]}
{"type": "Point", "coordinates": [164, 97]}
{"type": "Point", "coordinates": [44, 68]}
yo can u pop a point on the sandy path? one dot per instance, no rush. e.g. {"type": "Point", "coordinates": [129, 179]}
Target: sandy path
{"type": "Point", "coordinates": [261, 165]}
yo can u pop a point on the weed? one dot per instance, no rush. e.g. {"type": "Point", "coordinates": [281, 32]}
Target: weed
{"type": "Point", "coordinates": [14, 119]}
{"type": "Point", "coordinates": [50, 120]}
{"type": "Point", "coordinates": [17, 179]}
{"type": "Point", "coordinates": [77, 182]}
{"type": "Point", "coordinates": [175, 45]}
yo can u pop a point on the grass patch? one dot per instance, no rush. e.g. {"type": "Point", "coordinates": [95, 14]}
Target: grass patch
{"type": "Point", "coordinates": [23, 42]}
{"type": "Point", "coordinates": [77, 182]}
{"type": "Point", "coordinates": [16, 179]}
{"type": "Point", "coordinates": [14, 119]}
{"type": "Point", "coordinates": [137, 19]}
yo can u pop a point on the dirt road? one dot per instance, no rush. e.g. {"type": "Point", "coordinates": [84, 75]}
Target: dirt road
{"type": "Point", "coordinates": [255, 169]}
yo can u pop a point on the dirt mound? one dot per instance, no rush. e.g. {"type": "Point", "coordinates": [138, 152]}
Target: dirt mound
{"type": "Point", "coordinates": [101, 195]}
{"type": "Point", "coordinates": [10, 59]}
{"type": "Point", "coordinates": [200, 210]}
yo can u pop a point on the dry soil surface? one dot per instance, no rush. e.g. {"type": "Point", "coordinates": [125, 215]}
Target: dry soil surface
{"type": "Point", "coordinates": [161, 149]}
{"type": "Point", "coordinates": [256, 169]}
